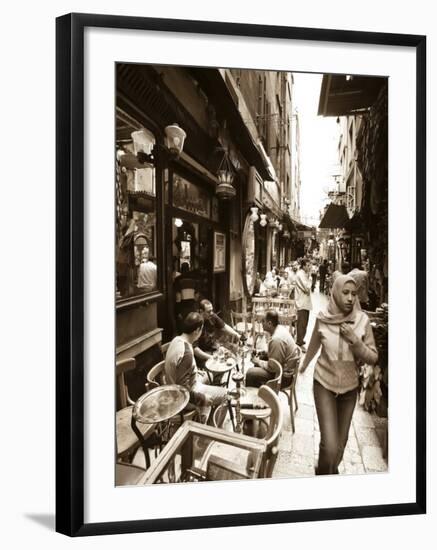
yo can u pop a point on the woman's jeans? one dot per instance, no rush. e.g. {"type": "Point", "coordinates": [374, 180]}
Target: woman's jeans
{"type": "Point", "coordinates": [334, 412]}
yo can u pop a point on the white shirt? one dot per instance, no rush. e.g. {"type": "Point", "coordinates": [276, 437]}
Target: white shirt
{"type": "Point", "coordinates": [303, 291]}
{"type": "Point", "coordinates": [147, 275]}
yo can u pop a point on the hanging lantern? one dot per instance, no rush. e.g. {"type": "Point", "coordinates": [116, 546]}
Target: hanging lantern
{"type": "Point", "coordinates": [263, 221]}
{"type": "Point", "coordinates": [272, 223]}
{"type": "Point", "coordinates": [254, 215]}
{"type": "Point", "coordinates": [174, 138]}
{"type": "Point", "coordinates": [225, 190]}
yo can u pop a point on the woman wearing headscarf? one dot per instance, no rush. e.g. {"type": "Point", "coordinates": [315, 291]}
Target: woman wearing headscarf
{"type": "Point", "coordinates": [344, 335]}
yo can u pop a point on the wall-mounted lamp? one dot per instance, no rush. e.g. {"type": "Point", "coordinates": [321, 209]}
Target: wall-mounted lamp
{"type": "Point", "coordinates": [263, 221]}
{"type": "Point", "coordinates": [173, 145]}
{"type": "Point", "coordinates": [286, 234]}
{"type": "Point", "coordinates": [280, 227]}
{"type": "Point", "coordinates": [254, 215]}
{"type": "Point", "coordinates": [178, 222]}
{"type": "Point", "coordinates": [225, 190]}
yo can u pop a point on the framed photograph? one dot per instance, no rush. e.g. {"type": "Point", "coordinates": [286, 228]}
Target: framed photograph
{"type": "Point", "coordinates": [302, 151]}
{"type": "Point", "coordinates": [219, 252]}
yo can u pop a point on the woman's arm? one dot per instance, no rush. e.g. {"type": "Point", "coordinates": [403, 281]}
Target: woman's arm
{"type": "Point", "coordinates": [365, 350]}
{"type": "Point", "coordinates": [313, 347]}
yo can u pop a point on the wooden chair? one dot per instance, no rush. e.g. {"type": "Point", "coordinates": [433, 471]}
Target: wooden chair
{"type": "Point", "coordinates": [289, 378]}
{"type": "Point", "coordinates": [270, 429]}
{"type": "Point", "coordinates": [126, 440]}
{"type": "Point", "coordinates": [164, 348]}
{"type": "Point", "coordinates": [156, 376]}
{"type": "Point", "coordinates": [273, 430]}
{"type": "Point", "coordinates": [254, 416]}
{"type": "Point", "coordinates": [241, 322]}
{"type": "Point", "coordinates": [288, 320]}
{"type": "Point", "coordinates": [275, 382]}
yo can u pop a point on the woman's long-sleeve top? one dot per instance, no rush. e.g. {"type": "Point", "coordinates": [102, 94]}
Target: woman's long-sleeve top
{"type": "Point", "coordinates": [337, 365]}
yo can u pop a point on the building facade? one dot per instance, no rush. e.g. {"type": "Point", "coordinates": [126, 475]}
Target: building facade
{"type": "Point", "coordinates": [220, 208]}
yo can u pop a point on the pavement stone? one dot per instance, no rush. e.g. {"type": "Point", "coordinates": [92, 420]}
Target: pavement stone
{"type": "Point", "coordinates": [373, 460]}
{"type": "Point", "coordinates": [305, 411]}
{"type": "Point", "coordinates": [367, 436]}
{"type": "Point", "coordinates": [362, 418]}
{"type": "Point", "coordinates": [303, 444]}
{"type": "Point", "coordinates": [303, 426]}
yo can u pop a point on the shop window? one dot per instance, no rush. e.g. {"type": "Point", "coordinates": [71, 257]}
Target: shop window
{"type": "Point", "coordinates": [136, 239]}
{"type": "Point", "coordinates": [190, 197]}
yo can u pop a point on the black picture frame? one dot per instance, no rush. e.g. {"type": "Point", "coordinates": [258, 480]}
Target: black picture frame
{"type": "Point", "coordinates": [70, 272]}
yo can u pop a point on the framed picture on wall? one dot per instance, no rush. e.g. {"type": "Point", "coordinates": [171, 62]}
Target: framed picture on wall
{"type": "Point", "coordinates": [219, 252]}
{"type": "Point", "coordinates": [160, 96]}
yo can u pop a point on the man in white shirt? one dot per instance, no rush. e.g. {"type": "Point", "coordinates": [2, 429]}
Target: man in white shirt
{"type": "Point", "coordinates": [281, 347]}
{"type": "Point", "coordinates": [303, 301]}
{"type": "Point", "coordinates": [147, 273]}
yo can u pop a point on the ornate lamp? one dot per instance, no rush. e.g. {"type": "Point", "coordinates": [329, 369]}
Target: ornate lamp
{"type": "Point", "coordinates": [254, 214]}
{"type": "Point", "coordinates": [173, 145]}
{"type": "Point", "coordinates": [225, 190]}
{"type": "Point", "coordinates": [174, 139]}
{"type": "Point", "coordinates": [263, 221]}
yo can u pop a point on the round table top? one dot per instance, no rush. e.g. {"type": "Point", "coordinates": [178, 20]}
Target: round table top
{"type": "Point", "coordinates": [160, 404]}
{"type": "Point", "coordinates": [215, 365]}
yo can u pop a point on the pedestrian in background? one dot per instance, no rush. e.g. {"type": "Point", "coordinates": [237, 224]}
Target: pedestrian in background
{"type": "Point", "coordinates": [344, 334]}
{"type": "Point", "coordinates": [314, 271]}
{"type": "Point", "coordinates": [323, 270]}
{"type": "Point", "coordinates": [303, 302]}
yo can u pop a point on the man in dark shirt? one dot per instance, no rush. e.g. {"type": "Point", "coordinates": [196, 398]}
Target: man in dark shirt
{"type": "Point", "coordinates": [323, 270]}
{"type": "Point", "coordinates": [207, 343]}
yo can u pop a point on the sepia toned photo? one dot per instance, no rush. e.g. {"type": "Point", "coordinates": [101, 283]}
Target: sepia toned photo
{"type": "Point", "coordinates": [251, 270]}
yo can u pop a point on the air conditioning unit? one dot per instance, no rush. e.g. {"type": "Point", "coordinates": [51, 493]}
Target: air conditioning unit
{"type": "Point", "coordinates": [254, 187]}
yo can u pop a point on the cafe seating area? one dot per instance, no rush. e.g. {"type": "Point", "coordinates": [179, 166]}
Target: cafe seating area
{"type": "Point", "coordinates": [168, 440]}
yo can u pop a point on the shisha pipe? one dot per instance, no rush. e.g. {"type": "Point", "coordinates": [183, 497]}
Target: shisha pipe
{"type": "Point", "coordinates": [237, 377]}
{"type": "Point", "coordinates": [243, 349]}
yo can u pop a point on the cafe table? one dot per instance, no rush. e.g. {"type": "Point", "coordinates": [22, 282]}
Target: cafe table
{"type": "Point", "coordinates": [157, 407]}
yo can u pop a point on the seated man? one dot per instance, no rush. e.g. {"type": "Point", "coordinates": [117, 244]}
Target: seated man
{"type": "Point", "coordinates": [207, 342]}
{"type": "Point", "coordinates": [180, 367]}
{"type": "Point", "coordinates": [281, 347]}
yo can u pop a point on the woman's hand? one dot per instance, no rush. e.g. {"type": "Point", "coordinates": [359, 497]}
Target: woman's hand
{"type": "Point", "coordinates": [348, 334]}
{"type": "Point", "coordinates": [302, 368]}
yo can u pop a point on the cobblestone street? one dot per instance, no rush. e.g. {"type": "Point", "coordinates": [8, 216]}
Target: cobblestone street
{"type": "Point", "coordinates": [298, 452]}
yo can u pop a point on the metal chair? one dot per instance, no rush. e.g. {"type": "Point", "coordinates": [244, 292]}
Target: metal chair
{"type": "Point", "coordinates": [289, 378]}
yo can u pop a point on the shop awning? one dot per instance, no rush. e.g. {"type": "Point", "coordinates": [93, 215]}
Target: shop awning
{"type": "Point", "coordinates": [335, 217]}
{"type": "Point", "coordinates": [345, 95]}
{"type": "Point", "coordinates": [299, 225]}
{"type": "Point", "coordinates": [355, 224]}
